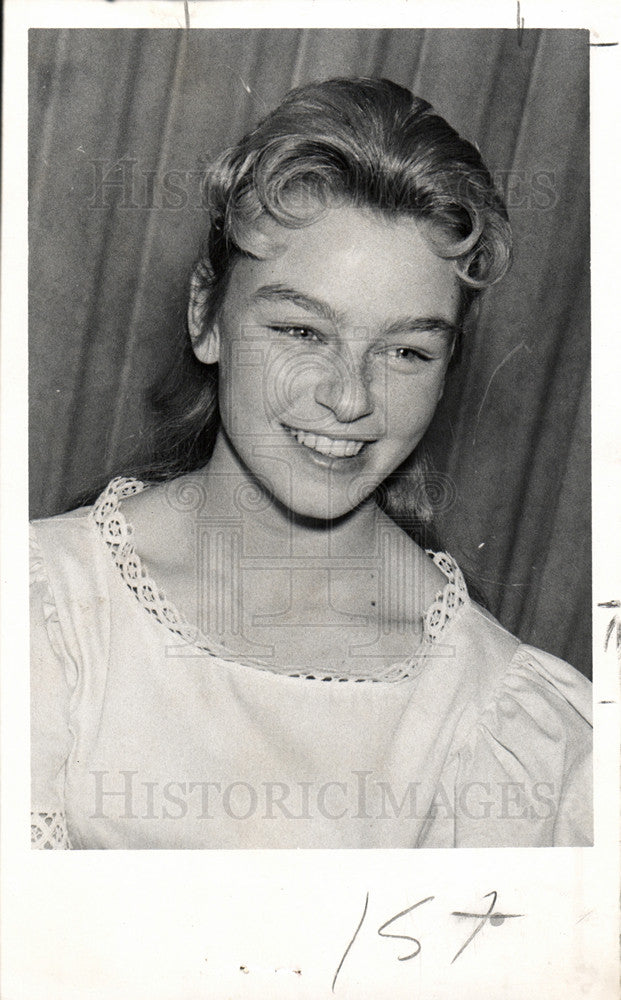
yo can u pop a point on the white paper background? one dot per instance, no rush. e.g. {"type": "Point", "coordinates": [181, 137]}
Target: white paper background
{"type": "Point", "coordinates": [276, 924]}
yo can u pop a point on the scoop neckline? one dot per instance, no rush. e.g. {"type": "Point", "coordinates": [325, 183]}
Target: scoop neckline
{"type": "Point", "coordinates": [117, 534]}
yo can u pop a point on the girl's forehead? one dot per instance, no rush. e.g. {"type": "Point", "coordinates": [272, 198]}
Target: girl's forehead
{"type": "Point", "coordinates": [311, 220]}
{"type": "Point", "coordinates": [357, 260]}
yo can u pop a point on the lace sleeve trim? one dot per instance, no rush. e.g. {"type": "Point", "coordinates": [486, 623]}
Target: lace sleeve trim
{"type": "Point", "coordinates": [117, 534]}
{"type": "Point", "coordinates": [48, 831]}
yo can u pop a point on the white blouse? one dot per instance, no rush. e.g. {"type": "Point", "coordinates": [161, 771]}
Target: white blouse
{"type": "Point", "coordinates": [146, 734]}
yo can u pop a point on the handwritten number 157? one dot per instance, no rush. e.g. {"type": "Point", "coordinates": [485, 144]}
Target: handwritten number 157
{"type": "Point", "coordinates": [494, 918]}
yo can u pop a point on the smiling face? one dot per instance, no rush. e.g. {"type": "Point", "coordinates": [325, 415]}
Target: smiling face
{"type": "Point", "coordinates": [332, 356]}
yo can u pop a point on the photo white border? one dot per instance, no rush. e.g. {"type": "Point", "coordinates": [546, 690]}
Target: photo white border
{"type": "Point", "coordinates": [250, 924]}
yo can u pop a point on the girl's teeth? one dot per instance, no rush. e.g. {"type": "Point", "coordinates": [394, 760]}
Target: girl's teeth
{"type": "Point", "coordinates": [332, 447]}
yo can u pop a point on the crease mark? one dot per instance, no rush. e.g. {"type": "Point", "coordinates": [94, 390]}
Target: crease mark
{"type": "Point", "coordinates": [501, 364]}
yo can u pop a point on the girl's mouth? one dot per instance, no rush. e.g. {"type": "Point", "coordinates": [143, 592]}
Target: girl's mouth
{"type": "Point", "coordinates": [328, 446]}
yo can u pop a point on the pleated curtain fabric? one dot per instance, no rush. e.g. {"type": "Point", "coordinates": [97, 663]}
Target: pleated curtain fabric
{"type": "Point", "coordinates": [122, 124]}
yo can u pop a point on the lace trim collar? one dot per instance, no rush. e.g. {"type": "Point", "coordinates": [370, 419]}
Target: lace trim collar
{"type": "Point", "coordinates": [117, 535]}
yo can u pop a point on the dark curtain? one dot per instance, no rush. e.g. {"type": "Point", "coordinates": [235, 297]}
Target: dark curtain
{"type": "Point", "coordinates": [121, 125]}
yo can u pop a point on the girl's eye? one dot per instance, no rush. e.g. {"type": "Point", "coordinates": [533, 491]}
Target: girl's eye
{"type": "Point", "coordinates": [407, 355]}
{"type": "Point", "coordinates": [305, 333]}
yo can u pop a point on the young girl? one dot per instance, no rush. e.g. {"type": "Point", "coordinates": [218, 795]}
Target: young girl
{"type": "Point", "coordinates": [258, 651]}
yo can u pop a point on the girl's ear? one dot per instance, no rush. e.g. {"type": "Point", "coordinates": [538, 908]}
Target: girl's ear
{"type": "Point", "coordinates": [205, 342]}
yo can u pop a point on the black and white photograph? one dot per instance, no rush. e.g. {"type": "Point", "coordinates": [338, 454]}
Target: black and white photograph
{"type": "Point", "coordinates": [309, 477]}
{"type": "Point", "coordinates": [320, 318]}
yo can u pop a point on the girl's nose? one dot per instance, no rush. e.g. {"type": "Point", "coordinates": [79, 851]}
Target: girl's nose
{"type": "Point", "coordinates": [345, 390]}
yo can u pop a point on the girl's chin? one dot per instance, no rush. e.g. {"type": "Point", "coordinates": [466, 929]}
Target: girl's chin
{"type": "Point", "coordinates": [324, 508]}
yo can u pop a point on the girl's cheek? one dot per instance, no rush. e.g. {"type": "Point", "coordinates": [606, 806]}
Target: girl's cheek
{"type": "Point", "coordinates": [411, 409]}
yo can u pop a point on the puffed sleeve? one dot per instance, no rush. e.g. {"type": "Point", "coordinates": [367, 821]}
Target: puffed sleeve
{"type": "Point", "coordinates": [524, 775]}
{"type": "Point", "coordinates": [53, 678]}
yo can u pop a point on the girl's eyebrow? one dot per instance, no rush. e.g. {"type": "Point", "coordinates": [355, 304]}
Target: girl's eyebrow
{"type": "Point", "coordinates": [280, 293]}
{"type": "Point", "coordinates": [419, 324]}
{"type": "Point", "coordinates": [422, 324]}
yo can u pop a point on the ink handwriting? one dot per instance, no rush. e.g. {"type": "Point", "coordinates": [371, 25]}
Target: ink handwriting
{"type": "Point", "coordinates": [492, 916]}
{"type": "Point", "coordinates": [404, 937]}
{"type": "Point", "coordinates": [614, 627]}
{"type": "Point", "coordinates": [495, 919]}
{"type": "Point", "coordinates": [520, 25]}
{"type": "Point", "coordinates": [349, 946]}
